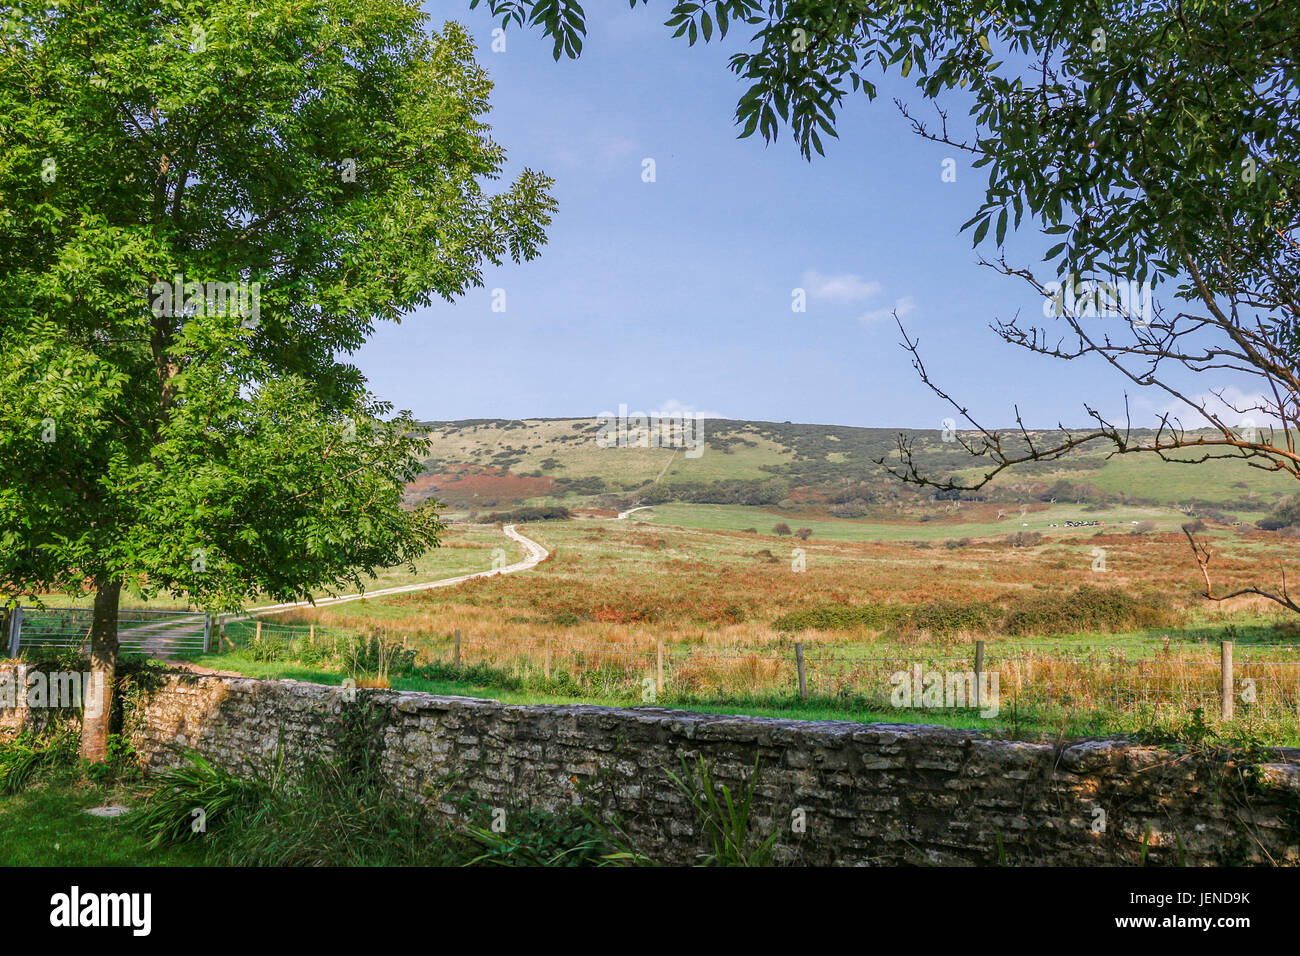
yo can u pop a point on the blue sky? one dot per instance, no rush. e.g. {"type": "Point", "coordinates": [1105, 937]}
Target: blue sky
{"type": "Point", "coordinates": [678, 292]}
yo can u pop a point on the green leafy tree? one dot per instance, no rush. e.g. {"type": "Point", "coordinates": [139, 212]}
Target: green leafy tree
{"type": "Point", "coordinates": [204, 208]}
{"type": "Point", "coordinates": [1151, 142]}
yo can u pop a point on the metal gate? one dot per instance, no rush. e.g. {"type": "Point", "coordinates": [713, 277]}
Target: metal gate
{"type": "Point", "coordinates": [155, 633]}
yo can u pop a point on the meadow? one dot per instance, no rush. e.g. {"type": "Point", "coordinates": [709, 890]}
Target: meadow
{"type": "Point", "coordinates": [638, 611]}
{"type": "Point", "coordinates": [1070, 581]}
{"type": "Point", "coordinates": [465, 549]}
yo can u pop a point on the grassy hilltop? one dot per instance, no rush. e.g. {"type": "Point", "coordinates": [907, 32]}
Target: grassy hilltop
{"type": "Point", "coordinates": [490, 463]}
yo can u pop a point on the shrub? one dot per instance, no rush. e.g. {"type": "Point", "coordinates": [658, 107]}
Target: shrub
{"type": "Point", "coordinates": [949, 617]}
{"type": "Point", "coordinates": [1286, 514]}
{"type": "Point", "coordinates": [781, 529]}
{"type": "Point", "coordinates": [531, 513]}
{"type": "Point", "coordinates": [1024, 539]}
{"type": "Point", "coordinates": [841, 617]}
{"type": "Point", "coordinates": [1086, 609]}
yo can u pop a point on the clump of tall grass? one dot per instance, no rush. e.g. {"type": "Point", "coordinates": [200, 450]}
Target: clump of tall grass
{"type": "Point", "coordinates": [198, 796]}
{"type": "Point", "coordinates": [321, 813]}
{"type": "Point", "coordinates": [369, 659]}
{"type": "Point", "coordinates": [27, 755]}
{"type": "Point", "coordinates": [540, 839]}
{"type": "Point", "coordinates": [726, 818]}
{"type": "Point", "coordinates": [339, 810]}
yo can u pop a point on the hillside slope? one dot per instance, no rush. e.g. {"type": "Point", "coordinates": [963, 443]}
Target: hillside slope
{"type": "Point", "coordinates": [492, 463]}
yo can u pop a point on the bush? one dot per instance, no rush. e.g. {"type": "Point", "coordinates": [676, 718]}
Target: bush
{"type": "Point", "coordinates": [1024, 539]}
{"type": "Point", "coordinates": [803, 534]}
{"type": "Point", "coordinates": [1086, 609]}
{"type": "Point", "coordinates": [1286, 514]}
{"type": "Point", "coordinates": [781, 529]}
{"type": "Point", "coordinates": [841, 617]}
{"type": "Point", "coordinates": [532, 513]}
{"type": "Point", "coordinates": [937, 617]}
{"type": "Point", "coordinates": [950, 617]}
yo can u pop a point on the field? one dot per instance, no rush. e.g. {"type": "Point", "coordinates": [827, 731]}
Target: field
{"type": "Point", "coordinates": [968, 521]}
{"type": "Point", "coordinates": [1130, 648]}
{"type": "Point", "coordinates": [719, 585]}
{"type": "Point", "coordinates": [465, 549]}
{"type": "Point", "coordinates": [1072, 583]}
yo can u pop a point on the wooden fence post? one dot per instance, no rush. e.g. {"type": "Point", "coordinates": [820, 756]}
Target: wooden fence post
{"type": "Point", "coordinates": [659, 667]}
{"type": "Point", "coordinates": [979, 670]}
{"type": "Point", "coordinates": [258, 635]}
{"type": "Point", "coordinates": [1226, 684]}
{"type": "Point", "coordinates": [457, 657]}
{"type": "Point", "coordinates": [798, 663]}
{"type": "Point", "coordinates": [311, 635]}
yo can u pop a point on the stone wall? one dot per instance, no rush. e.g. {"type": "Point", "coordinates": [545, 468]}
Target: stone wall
{"type": "Point", "coordinates": [869, 793]}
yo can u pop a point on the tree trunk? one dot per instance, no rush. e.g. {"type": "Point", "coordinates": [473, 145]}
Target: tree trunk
{"type": "Point", "coordinates": [97, 713]}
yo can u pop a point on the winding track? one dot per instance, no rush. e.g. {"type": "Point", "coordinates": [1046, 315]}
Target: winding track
{"type": "Point", "coordinates": [535, 554]}
{"type": "Point", "coordinates": [159, 638]}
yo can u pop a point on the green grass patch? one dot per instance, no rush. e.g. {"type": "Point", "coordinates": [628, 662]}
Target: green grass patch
{"type": "Point", "coordinates": [46, 824]}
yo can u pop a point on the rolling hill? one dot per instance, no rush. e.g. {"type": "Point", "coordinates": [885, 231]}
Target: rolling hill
{"type": "Point", "coordinates": [490, 463]}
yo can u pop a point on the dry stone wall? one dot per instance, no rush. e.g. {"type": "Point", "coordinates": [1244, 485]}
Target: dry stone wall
{"type": "Point", "coordinates": [866, 793]}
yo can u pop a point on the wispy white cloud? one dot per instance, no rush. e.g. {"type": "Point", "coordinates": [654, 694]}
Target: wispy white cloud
{"type": "Point", "coordinates": [903, 307]}
{"type": "Point", "coordinates": [845, 287]}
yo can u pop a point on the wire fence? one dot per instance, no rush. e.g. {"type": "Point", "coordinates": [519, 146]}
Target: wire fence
{"type": "Point", "coordinates": [1225, 679]}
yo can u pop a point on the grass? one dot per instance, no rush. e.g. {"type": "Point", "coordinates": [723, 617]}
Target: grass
{"type": "Point", "coordinates": [466, 549]}
{"type": "Point", "coordinates": [1149, 477]}
{"type": "Point", "coordinates": [1060, 713]}
{"type": "Point", "coordinates": [1094, 652]}
{"type": "Point", "coordinates": [748, 450]}
{"type": "Point", "coordinates": [527, 445]}
{"type": "Point", "coordinates": [47, 825]}
{"type": "Point", "coordinates": [945, 524]}
{"type": "Point", "coordinates": [607, 580]}
{"type": "Point", "coordinates": [324, 814]}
